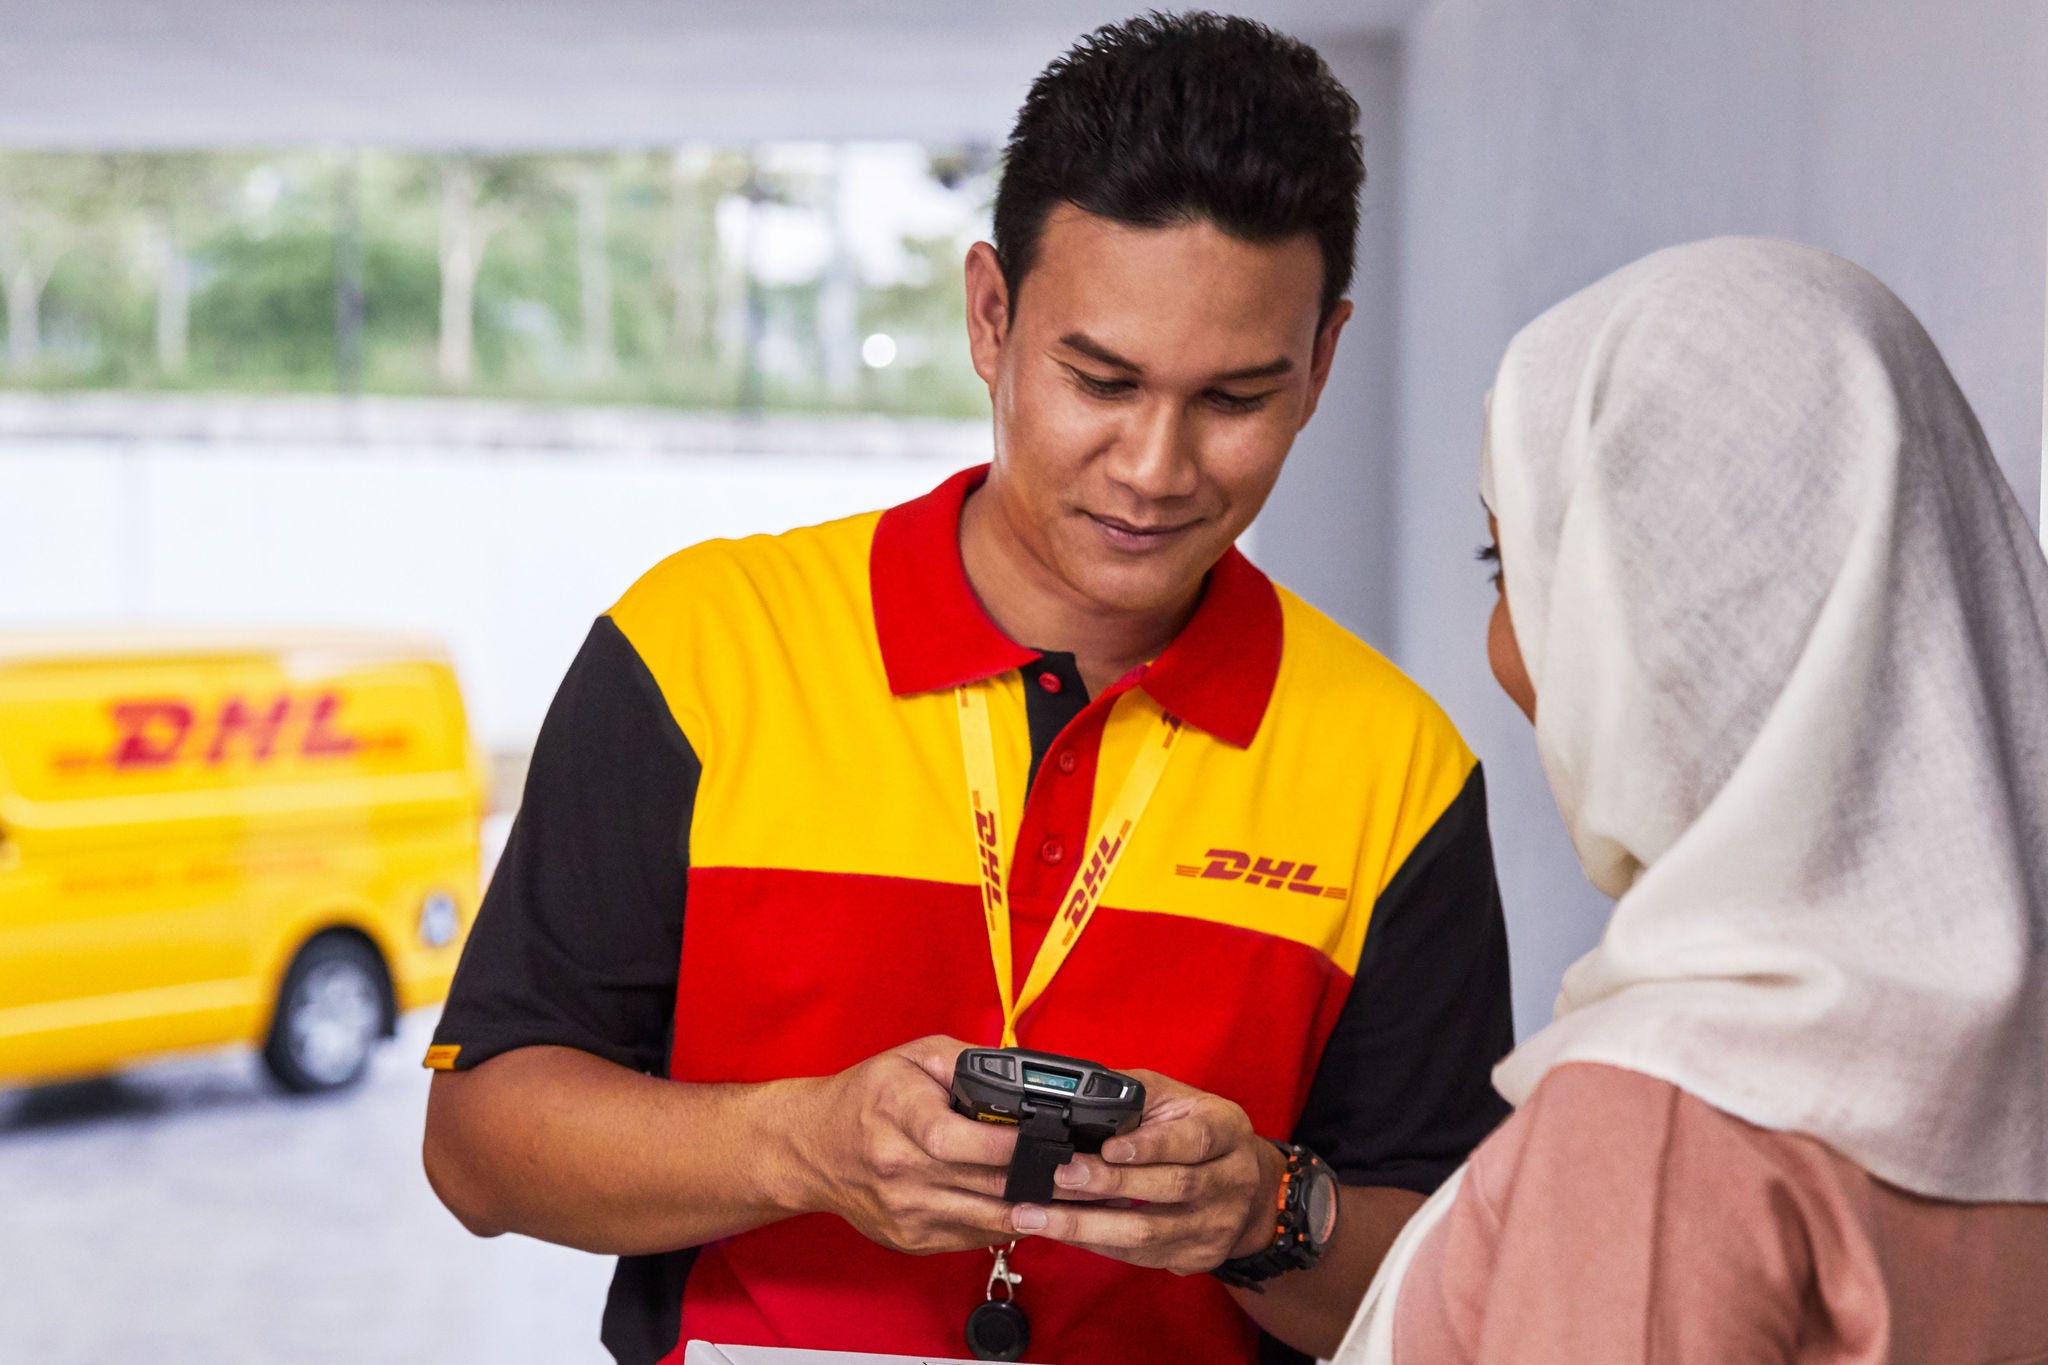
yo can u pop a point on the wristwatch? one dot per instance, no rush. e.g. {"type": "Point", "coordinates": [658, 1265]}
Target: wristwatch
{"type": "Point", "coordinates": [1306, 1218]}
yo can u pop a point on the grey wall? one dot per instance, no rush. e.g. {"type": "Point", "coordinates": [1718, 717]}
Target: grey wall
{"type": "Point", "coordinates": [1328, 530]}
{"type": "Point", "coordinates": [534, 73]}
{"type": "Point", "coordinates": [1544, 145]}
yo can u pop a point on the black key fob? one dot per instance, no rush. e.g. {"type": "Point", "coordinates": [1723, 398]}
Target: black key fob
{"type": "Point", "coordinates": [998, 1330]}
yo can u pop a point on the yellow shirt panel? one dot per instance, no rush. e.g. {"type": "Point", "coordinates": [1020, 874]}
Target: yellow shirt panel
{"type": "Point", "coordinates": [1352, 765]}
{"type": "Point", "coordinates": [766, 651]}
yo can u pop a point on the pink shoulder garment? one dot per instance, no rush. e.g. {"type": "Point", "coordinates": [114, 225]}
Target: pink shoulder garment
{"type": "Point", "coordinates": [1616, 1219]}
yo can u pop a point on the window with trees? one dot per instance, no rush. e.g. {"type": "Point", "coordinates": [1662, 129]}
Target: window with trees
{"type": "Point", "coordinates": [787, 277]}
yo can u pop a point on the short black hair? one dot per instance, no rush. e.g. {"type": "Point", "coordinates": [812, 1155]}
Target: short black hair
{"type": "Point", "coordinates": [1175, 118]}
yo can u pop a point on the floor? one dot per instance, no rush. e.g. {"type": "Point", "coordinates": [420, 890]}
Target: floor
{"type": "Point", "coordinates": [188, 1212]}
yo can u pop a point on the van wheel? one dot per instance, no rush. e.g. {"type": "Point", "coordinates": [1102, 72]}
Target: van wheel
{"type": "Point", "coordinates": [330, 1013]}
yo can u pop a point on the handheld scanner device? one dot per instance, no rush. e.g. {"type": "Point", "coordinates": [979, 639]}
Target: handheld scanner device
{"type": "Point", "coordinates": [1061, 1105]}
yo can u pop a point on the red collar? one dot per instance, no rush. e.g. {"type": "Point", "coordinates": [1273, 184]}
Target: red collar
{"type": "Point", "coordinates": [1218, 673]}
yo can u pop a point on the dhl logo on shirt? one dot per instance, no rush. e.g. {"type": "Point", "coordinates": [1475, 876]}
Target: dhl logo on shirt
{"type": "Point", "coordinates": [1230, 865]}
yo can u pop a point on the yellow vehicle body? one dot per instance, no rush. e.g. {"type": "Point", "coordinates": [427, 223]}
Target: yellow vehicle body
{"type": "Point", "coordinates": [180, 817]}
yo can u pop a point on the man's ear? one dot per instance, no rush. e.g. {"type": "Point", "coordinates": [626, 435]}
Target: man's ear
{"type": "Point", "coordinates": [988, 312]}
{"type": "Point", "coordinates": [1325, 352]}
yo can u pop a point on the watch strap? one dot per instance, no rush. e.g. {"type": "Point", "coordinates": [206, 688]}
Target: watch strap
{"type": "Point", "coordinates": [1292, 1248]}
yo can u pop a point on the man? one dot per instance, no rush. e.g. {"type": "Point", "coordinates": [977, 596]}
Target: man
{"type": "Point", "coordinates": [709, 1012]}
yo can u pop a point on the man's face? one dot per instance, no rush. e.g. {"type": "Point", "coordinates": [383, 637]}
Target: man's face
{"type": "Point", "coordinates": [1147, 387]}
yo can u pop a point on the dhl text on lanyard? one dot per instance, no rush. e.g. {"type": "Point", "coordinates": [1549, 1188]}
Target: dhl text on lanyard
{"type": "Point", "coordinates": [1105, 848]}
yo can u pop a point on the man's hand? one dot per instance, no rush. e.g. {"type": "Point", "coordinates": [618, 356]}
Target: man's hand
{"type": "Point", "coordinates": [1208, 1186]}
{"type": "Point", "coordinates": [887, 1153]}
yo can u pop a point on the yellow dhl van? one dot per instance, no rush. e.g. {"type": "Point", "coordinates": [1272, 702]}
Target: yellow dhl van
{"type": "Point", "coordinates": [205, 841]}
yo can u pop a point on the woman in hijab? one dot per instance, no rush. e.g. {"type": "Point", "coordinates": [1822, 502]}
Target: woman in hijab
{"type": "Point", "coordinates": [1783, 632]}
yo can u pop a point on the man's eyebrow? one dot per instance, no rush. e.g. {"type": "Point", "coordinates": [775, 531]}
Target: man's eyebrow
{"type": "Point", "coordinates": [1095, 350]}
{"type": "Point", "coordinates": [1272, 369]}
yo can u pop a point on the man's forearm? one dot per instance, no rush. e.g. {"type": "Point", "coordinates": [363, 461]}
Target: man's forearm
{"type": "Point", "coordinates": [567, 1147]}
{"type": "Point", "coordinates": [1310, 1309]}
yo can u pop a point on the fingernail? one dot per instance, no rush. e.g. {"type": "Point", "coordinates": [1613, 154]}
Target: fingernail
{"type": "Point", "coordinates": [1027, 1218]}
{"type": "Point", "coordinates": [1070, 1175]}
{"type": "Point", "coordinates": [1118, 1151]}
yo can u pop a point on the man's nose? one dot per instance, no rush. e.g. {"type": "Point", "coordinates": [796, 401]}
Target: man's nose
{"type": "Point", "coordinates": [1157, 458]}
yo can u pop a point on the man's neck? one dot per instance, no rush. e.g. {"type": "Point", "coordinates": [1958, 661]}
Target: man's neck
{"type": "Point", "coordinates": [1034, 607]}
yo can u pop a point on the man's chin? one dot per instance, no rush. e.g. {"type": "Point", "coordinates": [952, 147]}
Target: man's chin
{"type": "Point", "coordinates": [1143, 589]}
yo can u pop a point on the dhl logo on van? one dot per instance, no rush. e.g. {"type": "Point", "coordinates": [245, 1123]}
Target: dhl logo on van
{"type": "Point", "coordinates": [153, 733]}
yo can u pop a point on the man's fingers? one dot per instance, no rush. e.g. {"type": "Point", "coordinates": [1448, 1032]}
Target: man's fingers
{"type": "Point", "coordinates": [1182, 1133]}
{"type": "Point", "coordinates": [953, 1220]}
{"type": "Point", "coordinates": [986, 1182]}
{"type": "Point", "coordinates": [1163, 1236]}
{"type": "Point", "coordinates": [961, 1141]}
{"type": "Point", "coordinates": [1160, 1089]}
{"type": "Point", "coordinates": [1124, 1233]}
{"type": "Point", "coordinates": [1088, 1177]}
{"type": "Point", "coordinates": [935, 1056]}
{"type": "Point", "coordinates": [926, 1116]}
{"type": "Point", "coordinates": [984, 1215]}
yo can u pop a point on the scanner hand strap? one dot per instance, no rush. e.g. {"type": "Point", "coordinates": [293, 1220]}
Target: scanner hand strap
{"type": "Point", "coordinates": [1043, 1146]}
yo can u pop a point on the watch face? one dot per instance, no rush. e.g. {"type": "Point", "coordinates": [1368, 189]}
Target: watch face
{"type": "Point", "coordinates": [1320, 1206]}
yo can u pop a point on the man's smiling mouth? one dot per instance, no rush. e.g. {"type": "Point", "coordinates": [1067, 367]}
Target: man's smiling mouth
{"type": "Point", "coordinates": [1131, 535]}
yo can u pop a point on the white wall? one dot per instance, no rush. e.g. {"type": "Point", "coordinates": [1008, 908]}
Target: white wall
{"type": "Point", "coordinates": [1544, 145]}
{"type": "Point", "coordinates": [505, 554]}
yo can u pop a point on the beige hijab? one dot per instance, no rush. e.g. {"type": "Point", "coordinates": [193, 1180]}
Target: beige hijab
{"type": "Point", "coordinates": [1788, 631]}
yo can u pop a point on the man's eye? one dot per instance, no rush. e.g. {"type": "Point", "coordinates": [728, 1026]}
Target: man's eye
{"type": "Point", "coordinates": [1237, 402]}
{"type": "Point", "coordinates": [1103, 388]}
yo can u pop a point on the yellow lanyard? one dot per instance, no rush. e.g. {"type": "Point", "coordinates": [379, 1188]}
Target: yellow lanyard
{"type": "Point", "coordinates": [1104, 849]}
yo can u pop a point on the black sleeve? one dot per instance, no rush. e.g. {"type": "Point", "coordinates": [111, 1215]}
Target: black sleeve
{"type": "Point", "coordinates": [1403, 1092]}
{"type": "Point", "coordinates": [579, 940]}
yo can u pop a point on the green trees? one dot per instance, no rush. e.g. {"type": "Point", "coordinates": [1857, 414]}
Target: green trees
{"type": "Point", "coordinates": [699, 277]}
{"type": "Point", "coordinates": [51, 204]}
{"type": "Point", "coordinates": [172, 198]}
{"type": "Point", "coordinates": [479, 196]}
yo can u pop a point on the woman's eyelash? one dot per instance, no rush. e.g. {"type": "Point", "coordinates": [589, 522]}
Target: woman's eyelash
{"type": "Point", "coordinates": [1489, 553]}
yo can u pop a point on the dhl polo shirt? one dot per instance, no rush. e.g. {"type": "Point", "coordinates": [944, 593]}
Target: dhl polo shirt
{"type": "Point", "coordinates": [745, 854]}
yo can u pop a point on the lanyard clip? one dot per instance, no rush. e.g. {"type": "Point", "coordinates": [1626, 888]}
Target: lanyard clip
{"type": "Point", "coordinates": [1001, 1274]}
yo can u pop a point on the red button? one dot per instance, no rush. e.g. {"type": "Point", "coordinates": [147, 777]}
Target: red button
{"type": "Point", "coordinates": [1067, 761]}
{"type": "Point", "coordinates": [1052, 850]}
{"type": "Point", "coordinates": [1049, 681]}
